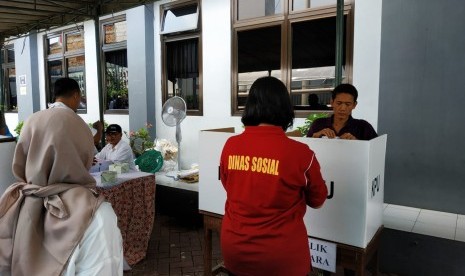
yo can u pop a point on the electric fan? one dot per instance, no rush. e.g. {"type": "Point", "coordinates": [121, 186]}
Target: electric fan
{"type": "Point", "coordinates": [172, 114]}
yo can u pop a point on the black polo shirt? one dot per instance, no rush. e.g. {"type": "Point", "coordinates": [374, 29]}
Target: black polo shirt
{"type": "Point", "coordinates": [357, 127]}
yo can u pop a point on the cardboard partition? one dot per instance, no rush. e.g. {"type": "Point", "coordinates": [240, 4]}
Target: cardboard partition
{"type": "Point", "coordinates": [7, 148]}
{"type": "Point", "coordinates": [354, 175]}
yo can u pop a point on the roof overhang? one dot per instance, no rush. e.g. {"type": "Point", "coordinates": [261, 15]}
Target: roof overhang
{"type": "Point", "coordinates": [19, 17]}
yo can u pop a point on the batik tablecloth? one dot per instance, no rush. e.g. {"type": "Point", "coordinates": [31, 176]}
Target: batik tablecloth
{"type": "Point", "coordinates": [134, 203]}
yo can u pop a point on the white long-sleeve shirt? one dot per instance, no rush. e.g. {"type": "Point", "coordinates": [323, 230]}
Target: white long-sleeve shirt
{"type": "Point", "coordinates": [121, 153]}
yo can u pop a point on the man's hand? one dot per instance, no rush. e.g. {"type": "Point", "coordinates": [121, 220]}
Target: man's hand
{"type": "Point", "coordinates": [98, 125]}
{"type": "Point", "coordinates": [348, 136]}
{"type": "Point", "coordinates": [325, 132]}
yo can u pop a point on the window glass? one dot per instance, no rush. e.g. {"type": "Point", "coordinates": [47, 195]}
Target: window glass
{"type": "Point", "coordinates": [8, 98]}
{"type": "Point", "coordinates": [247, 9]}
{"type": "Point", "coordinates": [180, 19]}
{"type": "Point", "coordinates": [74, 42]}
{"type": "Point", "coordinates": [298, 47]}
{"type": "Point", "coordinates": [55, 45]}
{"type": "Point", "coordinates": [258, 54]}
{"type": "Point", "coordinates": [10, 55]}
{"type": "Point", "coordinates": [115, 32]}
{"type": "Point", "coordinates": [75, 66]}
{"type": "Point", "coordinates": [66, 59]}
{"type": "Point", "coordinates": [311, 4]}
{"type": "Point", "coordinates": [183, 71]}
{"type": "Point", "coordinates": [12, 101]}
{"type": "Point", "coordinates": [313, 62]}
{"type": "Point", "coordinates": [116, 80]}
{"type": "Point", "coordinates": [181, 42]}
{"type": "Point", "coordinates": [55, 71]}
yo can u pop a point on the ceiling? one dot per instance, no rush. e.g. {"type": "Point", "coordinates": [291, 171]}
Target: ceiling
{"type": "Point", "coordinates": [19, 17]}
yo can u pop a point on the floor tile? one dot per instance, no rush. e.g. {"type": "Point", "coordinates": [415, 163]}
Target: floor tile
{"type": "Point", "coordinates": [460, 234]}
{"type": "Point", "coordinates": [438, 218]}
{"type": "Point", "coordinates": [434, 230]}
{"type": "Point", "coordinates": [404, 207]}
{"type": "Point", "coordinates": [402, 213]}
{"type": "Point", "coordinates": [398, 223]}
{"type": "Point", "coordinates": [461, 221]}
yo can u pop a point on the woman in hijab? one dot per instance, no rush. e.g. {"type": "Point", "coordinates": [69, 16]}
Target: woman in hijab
{"type": "Point", "coordinates": [51, 220]}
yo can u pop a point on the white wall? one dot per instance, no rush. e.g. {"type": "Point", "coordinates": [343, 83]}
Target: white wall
{"type": "Point", "coordinates": [216, 53]}
{"type": "Point", "coordinates": [366, 55]}
{"type": "Point", "coordinates": [216, 63]}
{"type": "Point", "coordinates": [216, 48]}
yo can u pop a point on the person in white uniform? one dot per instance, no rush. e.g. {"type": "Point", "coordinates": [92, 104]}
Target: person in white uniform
{"type": "Point", "coordinates": [116, 150]}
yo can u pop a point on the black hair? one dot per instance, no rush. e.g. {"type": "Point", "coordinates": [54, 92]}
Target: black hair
{"type": "Point", "coordinates": [268, 102]}
{"type": "Point", "coordinates": [65, 87]}
{"type": "Point", "coordinates": [345, 88]}
{"type": "Point", "coordinates": [313, 99]}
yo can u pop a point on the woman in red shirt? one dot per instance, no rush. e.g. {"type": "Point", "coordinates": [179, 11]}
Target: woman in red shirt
{"type": "Point", "coordinates": [269, 180]}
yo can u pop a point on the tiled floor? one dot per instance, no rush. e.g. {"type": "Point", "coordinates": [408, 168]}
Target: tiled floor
{"type": "Point", "coordinates": [176, 244]}
{"type": "Point", "coordinates": [425, 222]}
{"type": "Point", "coordinates": [175, 248]}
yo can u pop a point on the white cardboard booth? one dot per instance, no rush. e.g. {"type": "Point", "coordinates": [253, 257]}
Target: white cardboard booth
{"type": "Point", "coordinates": [7, 148]}
{"type": "Point", "coordinates": [354, 174]}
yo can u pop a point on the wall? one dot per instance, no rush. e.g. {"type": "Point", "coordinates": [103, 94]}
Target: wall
{"type": "Point", "coordinates": [366, 59]}
{"type": "Point", "coordinates": [216, 54]}
{"type": "Point", "coordinates": [216, 64]}
{"type": "Point", "coordinates": [216, 49]}
{"type": "Point", "coordinates": [421, 103]}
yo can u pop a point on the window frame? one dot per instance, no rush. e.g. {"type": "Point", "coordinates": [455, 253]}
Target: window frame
{"type": "Point", "coordinates": [177, 36]}
{"type": "Point", "coordinates": [104, 48]}
{"type": "Point", "coordinates": [286, 20]}
{"type": "Point", "coordinates": [6, 81]}
{"type": "Point", "coordinates": [63, 57]}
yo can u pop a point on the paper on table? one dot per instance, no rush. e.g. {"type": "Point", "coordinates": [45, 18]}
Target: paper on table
{"type": "Point", "coordinates": [186, 173]}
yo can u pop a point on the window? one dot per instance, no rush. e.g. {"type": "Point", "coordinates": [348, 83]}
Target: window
{"type": "Point", "coordinates": [247, 9]}
{"type": "Point", "coordinates": [181, 44]}
{"type": "Point", "coordinates": [65, 58]}
{"type": "Point", "coordinates": [292, 40]}
{"type": "Point", "coordinates": [8, 98]}
{"type": "Point", "coordinates": [115, 58]}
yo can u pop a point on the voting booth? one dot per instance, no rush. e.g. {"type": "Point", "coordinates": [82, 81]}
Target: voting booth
{"type": "Point", "coordinates": [354, 174]}
{"type": "Point", "coordinates": [7, 148]}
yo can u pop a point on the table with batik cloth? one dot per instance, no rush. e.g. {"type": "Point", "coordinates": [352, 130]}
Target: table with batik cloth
{"type": "Point", "coordinates": [133, 199]}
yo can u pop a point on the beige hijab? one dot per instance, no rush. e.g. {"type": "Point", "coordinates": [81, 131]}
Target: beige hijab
{"type": "Point", "coordinates": [44, 216]}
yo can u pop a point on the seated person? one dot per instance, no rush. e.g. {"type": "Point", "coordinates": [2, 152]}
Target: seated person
{"type": "Point", "coordinates": [313, 103]}
{"type": "Point", "coordinates": [341, 124]}
{"type": "Point", "coordinates": [116, 150]}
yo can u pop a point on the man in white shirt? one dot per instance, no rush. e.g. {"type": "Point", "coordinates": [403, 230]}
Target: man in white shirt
{"type": "Point", "coordinates": [116, 150]}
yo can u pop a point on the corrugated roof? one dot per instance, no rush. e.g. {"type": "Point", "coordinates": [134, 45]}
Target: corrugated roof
{"type": "Point", "coordinates": [19, 17]}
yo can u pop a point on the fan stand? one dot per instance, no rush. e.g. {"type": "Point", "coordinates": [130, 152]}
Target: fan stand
{"type": "Point", "coordinates": [178, 140]}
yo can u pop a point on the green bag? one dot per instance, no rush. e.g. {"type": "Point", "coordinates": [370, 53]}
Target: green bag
{"type": "Point", "coordinates": [150, 161]}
